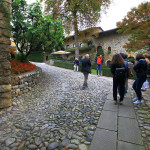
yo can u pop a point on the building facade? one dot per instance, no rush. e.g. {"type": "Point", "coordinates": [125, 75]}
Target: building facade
{"type": "Point", "coordinates": [109, 41]}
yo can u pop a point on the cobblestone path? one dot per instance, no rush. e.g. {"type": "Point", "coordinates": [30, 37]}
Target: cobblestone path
{"type": "Point", "coordinates": [56, 114]}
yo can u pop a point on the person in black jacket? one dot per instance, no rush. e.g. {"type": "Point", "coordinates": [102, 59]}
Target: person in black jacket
{"type": "Point", "coordinates": [118, 62]}
{"type": "Point", "coordinates": [140, 69]}
{"type": "Point", "coordinates": [86, 64]}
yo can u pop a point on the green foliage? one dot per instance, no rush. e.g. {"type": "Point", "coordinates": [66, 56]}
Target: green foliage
{"type": "Point", "coordinates": [85, 48]}
{"type": "Point", "coordinates": [32, 31]}
{"type": "Point", "coordinates": [75, 12]}
{"type": "Point", "coordinates": [142, 52]}
{"type": "Point", "coordinates": [109, 52]}
{"type": "Point", "coordinates": [21, 57]}
{"type": "Point", "coordinates": [36, 56]}
{"type": "Point", "coordinates": [100, 51]}
{"type": "Point", "coordinates": [105, 70]}
{"type": "Point", "coordinates": [52, 56]}
{"type": "Point", "coordinates": [131, 59]}
{"type": "Point", "coordinates": [71, 59]}
{"type": "Point", "coordinates": [64, 65]}
{"type": "Point", "coordinates": [137, 24]}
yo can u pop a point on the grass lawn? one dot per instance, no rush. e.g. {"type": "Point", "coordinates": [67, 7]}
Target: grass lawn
{"type": "Point", "coordinates": [94, 71]}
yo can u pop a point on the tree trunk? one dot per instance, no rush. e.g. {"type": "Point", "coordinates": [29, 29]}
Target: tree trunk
{"type": "Point", "coordinates": [76, 37]}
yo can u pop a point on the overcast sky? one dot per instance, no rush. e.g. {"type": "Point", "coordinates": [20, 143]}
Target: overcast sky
{"type": "Point", "coordinates": [117, 10]}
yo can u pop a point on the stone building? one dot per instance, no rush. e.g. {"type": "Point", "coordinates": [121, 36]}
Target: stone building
{"type": "Point", "coordinates": [109, 41]}
{"type": "Point", "coordinates": [85, 36]}
{"type": "Point", "coordinates": [85, 40]}
{"type": "Point", "coordinates": [5, 73]}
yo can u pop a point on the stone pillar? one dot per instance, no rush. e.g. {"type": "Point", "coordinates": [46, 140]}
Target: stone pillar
{"type": "Point", "coordinates": [5, 73]}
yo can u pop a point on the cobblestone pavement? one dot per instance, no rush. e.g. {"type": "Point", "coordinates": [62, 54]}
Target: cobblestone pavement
{"type": "Point", "coordinates": [56, 114]}
{"type": "Point", "coordinates": [143, 115]}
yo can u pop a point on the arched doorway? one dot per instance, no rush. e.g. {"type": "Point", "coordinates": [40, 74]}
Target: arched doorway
{"type": "Point", "coordinates": [100, 51]}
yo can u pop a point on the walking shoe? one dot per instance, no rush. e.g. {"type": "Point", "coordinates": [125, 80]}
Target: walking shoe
{"type": "Point", "coordinates": [137, 102]}
{"type": "Point", "coordinates": [135, 99]}
{"type": "Point", "coordinates": [121, 102]}
{"type": "Point", "coordinates": [115, 102]}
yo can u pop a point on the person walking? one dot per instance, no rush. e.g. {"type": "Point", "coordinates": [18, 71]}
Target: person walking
{"type": "Point", "coordinates": [86, 64]}
{"type": "Point", "coordinates": [99, 62]}
{"type": "Point", "coordinates": [140, 69]}
{"type": "Point", "coordinates": [118, 71]}
{"type": "Point", "coordinates": [144, 86]}
{"type": "Point", "coordinates": [76, 64]}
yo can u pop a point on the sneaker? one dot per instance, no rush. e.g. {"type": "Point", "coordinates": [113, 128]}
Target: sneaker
{"type": "Point", "coordinates": [121, 102]}
{"type": "Point", "coordinates": [115, 102]}
{"type": "Point", "coordinates": [142, 89]}
{"type": "Point", "coordinates": [135, 99]}
{"type": "Point", "coordinates": [137, 102]}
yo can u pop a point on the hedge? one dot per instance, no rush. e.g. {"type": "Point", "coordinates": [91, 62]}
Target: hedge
{"type": "Point", "coordinates": [85, 48]}
{"type": "Point", "coordinates": [36, 57]}
{"type": "Point", "coordinates": [64, 64]}
{"type": "Point", "coordinates": [105, 70]}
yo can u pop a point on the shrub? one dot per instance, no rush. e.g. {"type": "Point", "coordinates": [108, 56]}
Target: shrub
{"type": "Point", "coordinates": [36, 56]}
{"type": "Point", "coordinates": [21, 67]}
{"type": "Point", "coordinates": [52, 56]}
{"type": "Point", "coordinates": [85, 48]}
{"type": "Point", "coordinates": [64, 64]}
{"type": "Point", "coordinates": [71, 59]}
{"type": "Point", "coordinates": [21, 57]}
{"type": "Point", "coordinates": [131, 59]}
{"type": "Point", "coordinates": [105, 70]}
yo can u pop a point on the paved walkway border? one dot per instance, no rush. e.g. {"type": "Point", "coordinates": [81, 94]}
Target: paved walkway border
{"type": "Point", "coordinates": [118, 127]}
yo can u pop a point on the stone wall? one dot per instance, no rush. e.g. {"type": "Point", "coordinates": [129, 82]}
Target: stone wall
{"type": "Point", "coordinates": [5, 73]}
{"type": "Point", "coordinates": [25, 82]}
{"type": "Point", "coordinates": [84, 36]}
{"type": "Point", "coordinates": [113, 40]}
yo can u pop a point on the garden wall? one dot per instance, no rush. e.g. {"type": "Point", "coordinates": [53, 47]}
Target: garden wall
{"type": "Point", "coordinates": [5, 73]}
{"type": "Point", "coordinates": [25, 82]}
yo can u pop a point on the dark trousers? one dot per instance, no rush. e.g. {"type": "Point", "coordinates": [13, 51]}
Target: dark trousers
{"type": "Point", "coordinates": [121, 84]}
{"type": "Point", "coordinates": [137, 86]}
{"type": "Point", "coordinates": [85, 79]}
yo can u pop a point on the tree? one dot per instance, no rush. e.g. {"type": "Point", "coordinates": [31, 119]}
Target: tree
{"type": "Point", "coordinates": [137, 24]}
{"type": "Point", "coordinates": [75, 13]}
{"type": "Point", "coordinates": [32, 31]}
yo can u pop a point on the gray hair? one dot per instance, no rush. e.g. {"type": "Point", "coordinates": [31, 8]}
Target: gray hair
{"type": "Point", "coordinates": [86, 55]}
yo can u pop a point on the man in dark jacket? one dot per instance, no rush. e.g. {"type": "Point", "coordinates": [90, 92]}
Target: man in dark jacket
{"type": "Point", "coordinates": [86, 64]}
{"type": "Point", "coordinates": [140, 69]}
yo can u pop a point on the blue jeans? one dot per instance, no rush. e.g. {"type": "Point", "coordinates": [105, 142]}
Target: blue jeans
{"type": "Point", "coordinates": [148, 79]}
{"type": "Point", "coordinates": [99, 69]}
{"type": "Point", "coordinates": [137, 86]}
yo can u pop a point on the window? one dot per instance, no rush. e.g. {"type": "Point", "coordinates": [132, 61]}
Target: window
{"type": "Point", "coordinates": [67, 47]}
{"type": "Point", "coordinates": [74, 45]}
{"type": "Point", "coordinates": [89, 43]}
{"type": "Point", "coordinates": [81, 45]}
{"type": "Point", "coordinates": [109, 50]}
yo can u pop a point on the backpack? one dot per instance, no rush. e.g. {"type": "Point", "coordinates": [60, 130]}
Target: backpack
{"type": "Point", "coordinates": [148, 69]}
{"type": "Point", "coordinates": [120, 73]}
